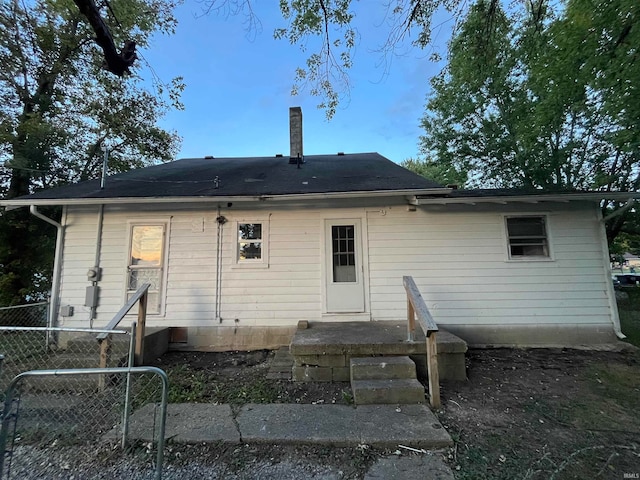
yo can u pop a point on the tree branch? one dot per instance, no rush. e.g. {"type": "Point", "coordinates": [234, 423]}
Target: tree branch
{"type": "Point", "coordinates": [116, 63]}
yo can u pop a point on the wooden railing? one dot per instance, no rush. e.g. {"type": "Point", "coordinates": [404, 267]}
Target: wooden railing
{"type": "Point", "coordinates": [105, 338]}
{"type": "Point", "coordinates": [417, 309]}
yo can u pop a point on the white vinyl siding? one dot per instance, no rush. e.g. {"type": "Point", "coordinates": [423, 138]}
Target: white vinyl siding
{"type": "Point", "coordinates": [458, 261]}
{"type": "Point", "coordinates": [457, 257]}
{"type": "Point", "coordinates": [286, 292]}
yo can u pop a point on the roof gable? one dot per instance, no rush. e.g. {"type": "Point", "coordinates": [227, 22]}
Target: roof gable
{"type": "Point", "coordinates": [253, 176]}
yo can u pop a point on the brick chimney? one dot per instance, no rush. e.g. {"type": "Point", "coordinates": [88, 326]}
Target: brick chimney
{"type": "Point", "coordinates": [295, 134]}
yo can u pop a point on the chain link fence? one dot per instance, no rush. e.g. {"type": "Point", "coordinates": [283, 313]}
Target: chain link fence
{"type": "Point", "coordinates": [30, 315]}
{"type": "Point", "coordinates": [90, 407]}
{"type": "Point", "coordinates": [95, 424]}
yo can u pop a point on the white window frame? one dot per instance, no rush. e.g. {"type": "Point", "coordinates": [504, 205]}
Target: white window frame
{"type": "Point", "coordinates": [162, 293]}
{"type": "Point", "coordinates": [528, 258]}
{"type": "Point", "coordinates": [263, 261]}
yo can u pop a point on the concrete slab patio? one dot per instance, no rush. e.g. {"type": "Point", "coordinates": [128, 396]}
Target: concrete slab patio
{"type": "Point", "coordinates": [383, 426]}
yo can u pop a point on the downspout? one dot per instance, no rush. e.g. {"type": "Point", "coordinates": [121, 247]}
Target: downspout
{"type": "Point", "coordinates": [57, 264]}
{"type": "Point", "coordinates": [611, 294]}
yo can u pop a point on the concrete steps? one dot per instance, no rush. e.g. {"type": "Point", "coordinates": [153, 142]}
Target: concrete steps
{"type": "Point", "coordinates": [385, 380]}
{"type": "Point", "coordinates": [322, 351]}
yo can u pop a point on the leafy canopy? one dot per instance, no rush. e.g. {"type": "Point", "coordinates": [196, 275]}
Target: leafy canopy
{"type": "Point", "coordinates": [541, 98]}
{"type": "Point", "coordinates": [59, 109]}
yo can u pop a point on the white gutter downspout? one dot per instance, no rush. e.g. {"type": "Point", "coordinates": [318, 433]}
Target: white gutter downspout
{"type": "Point", "coordinates": [611, 293]}
{"type": "Point", "coordinates": [57, 264]}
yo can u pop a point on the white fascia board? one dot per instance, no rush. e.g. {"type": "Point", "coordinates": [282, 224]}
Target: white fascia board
{"type": "Point", "coordinates": [561, 198]}
{"type": "Point", "coordinates": [17, 203]}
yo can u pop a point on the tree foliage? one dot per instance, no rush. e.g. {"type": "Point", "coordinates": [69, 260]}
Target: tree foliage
{"type": "Point", "coordinates": [443, 173]}
{"type": "Point", "coordinates": [328, 30]}
{"type": "Point", "coordinates": [59, 108]}
{"type": "Point", "coordinates": [541, 97]}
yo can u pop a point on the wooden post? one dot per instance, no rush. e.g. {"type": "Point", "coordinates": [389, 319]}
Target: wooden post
{"type": "Point", "coordinates": [142, 318]}
{"type": "Point", "coordinates": [432, 367]}
{"type": "Point", "coordinates": [105, 354]}
{"type": "Point", "coordinates": [411, 320]}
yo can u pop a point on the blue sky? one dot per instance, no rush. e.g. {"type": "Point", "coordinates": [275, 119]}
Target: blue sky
{"type": "Point", "coordinates": [237, 94]}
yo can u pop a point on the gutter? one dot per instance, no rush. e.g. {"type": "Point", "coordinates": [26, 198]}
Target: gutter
{"type": "Point", "coordinates": [57, 264]}
{"type": "Point", "coordinates": [562, 198]}
{"type": "Point", "coordinates": [17, 203]}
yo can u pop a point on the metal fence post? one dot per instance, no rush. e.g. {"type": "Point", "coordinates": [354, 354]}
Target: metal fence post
{"type": "Point", "coordinates": [47, 337]}
{"type": "Point", "coordinates": [127, 393]}
{"type": "Point", "coordinates": [4, 429]}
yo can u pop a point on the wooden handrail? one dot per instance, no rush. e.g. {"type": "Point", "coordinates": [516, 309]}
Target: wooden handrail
{"type": "Point", "coordinates": [414, 298]}
{"type": "Point", "coordinates": [124, 310]}
{"type": "Point", "coordinates": [417, 308]}
{"type": "Point", "coordinates": [105, 338]}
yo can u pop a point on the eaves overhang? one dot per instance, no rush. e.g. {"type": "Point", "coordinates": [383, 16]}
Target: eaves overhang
{"type": "Point", "coordinates": [533, 198]}
{"type": "Point", "coordinates": [298, 197]}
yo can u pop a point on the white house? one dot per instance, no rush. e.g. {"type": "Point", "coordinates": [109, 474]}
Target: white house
{"type": "Point", "coordinates": [238, 250]}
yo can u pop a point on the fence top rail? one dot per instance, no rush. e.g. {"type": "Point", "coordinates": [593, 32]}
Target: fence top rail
{"type": "Point", "coordinates": [426, 321]}
{"type": "Point", "coordinates": [60, 329]}
{"type": "Point", "coordinates": [26, 305]}
{"type": "Point", "coordinates": [124, 310]}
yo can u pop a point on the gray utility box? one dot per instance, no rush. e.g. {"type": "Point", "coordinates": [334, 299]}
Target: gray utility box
{"type": "Point", "coordinates": [91, 296]}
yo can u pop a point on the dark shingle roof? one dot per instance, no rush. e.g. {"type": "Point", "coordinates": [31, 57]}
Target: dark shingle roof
{"type": "Point", "coordinates": [255, 176]}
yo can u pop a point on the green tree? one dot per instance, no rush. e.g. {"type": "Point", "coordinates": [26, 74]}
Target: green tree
{"type": "Point", "coordinates": [328, 29]}
{"type": "Point", "coordinates": [541, 99]}
{"type": "Point", "coordinates": [59, 108]}
{"type": "Point", "coordinates": [443, 173]}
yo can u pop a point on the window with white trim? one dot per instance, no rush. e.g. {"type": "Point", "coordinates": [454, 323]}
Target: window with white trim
{"type": "Point", "coordinates": [146, 262]}
{"type": "Point", "coordinates": [251, 247]}
{"type": "Point", "coordinates": [527, 237]}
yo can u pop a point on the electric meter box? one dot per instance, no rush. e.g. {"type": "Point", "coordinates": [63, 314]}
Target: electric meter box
{"type": "Point", "coordinates": [91, 296]}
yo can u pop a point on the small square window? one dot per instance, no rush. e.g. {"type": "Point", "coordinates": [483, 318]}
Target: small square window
{"type": "Point", "coordinates": [527, 237]}
{"type": "Point", "coordinates": [250, 242]}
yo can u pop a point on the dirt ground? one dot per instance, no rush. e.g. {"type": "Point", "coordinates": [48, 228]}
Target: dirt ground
{"type": "Point", "coordinates": [543, 413]}
{"type": "Point", "coordinates": [239, 378]}
{"type": "Point", "coordinates": [529, 414]}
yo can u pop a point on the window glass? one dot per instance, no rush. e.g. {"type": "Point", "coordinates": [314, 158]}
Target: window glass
{"type": "Point", "coordinates": [146, 263]}
{"type": "Point", "coordinates": [527, 237]}
{"type": "Point", "coordinates": [146, 245]}
{"type": "Point", "coordinates": [344, 258]}
{"type": "Point", "coordinates": [249, 241]}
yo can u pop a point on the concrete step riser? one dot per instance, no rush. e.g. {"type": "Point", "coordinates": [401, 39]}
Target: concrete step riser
{"type": "Point", "coordinates": [376, 392]}
{"type": "Point", "coordinates": [380, 368]}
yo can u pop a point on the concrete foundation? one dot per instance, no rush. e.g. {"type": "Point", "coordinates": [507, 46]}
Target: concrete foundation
{"type": "Point", "coordinates": [220, 338]}
{"type": "Point", "coordinates": [223, 338]}
{"type": "Point", "coordinates": [539, 336]}
{"type": "Point", "coordinates": [323, 351]}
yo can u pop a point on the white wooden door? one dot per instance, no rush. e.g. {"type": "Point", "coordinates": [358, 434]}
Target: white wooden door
{"type": "Point", "coordinates": [343, 260]}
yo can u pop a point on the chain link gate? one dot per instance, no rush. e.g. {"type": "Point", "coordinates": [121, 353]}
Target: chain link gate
{"type": "Point", "coordinates": [60, 397]}
{"type": "Point", "coordinates": [31, 417]}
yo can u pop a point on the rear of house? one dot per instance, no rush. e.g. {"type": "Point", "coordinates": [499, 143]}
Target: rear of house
{"type": "Point", "coordinates": [239, 250]}
{"type": "Point", "coordinates": [241, 277]}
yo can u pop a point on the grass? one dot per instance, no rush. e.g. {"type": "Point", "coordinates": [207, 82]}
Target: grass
{"type": "Point", "coordinates": [194, 386]}
{"type": "Point", "coordinates": [629, 310]}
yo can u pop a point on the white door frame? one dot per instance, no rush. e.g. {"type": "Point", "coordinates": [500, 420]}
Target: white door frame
{"type": "Point", "coordinates": [358, 306]}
